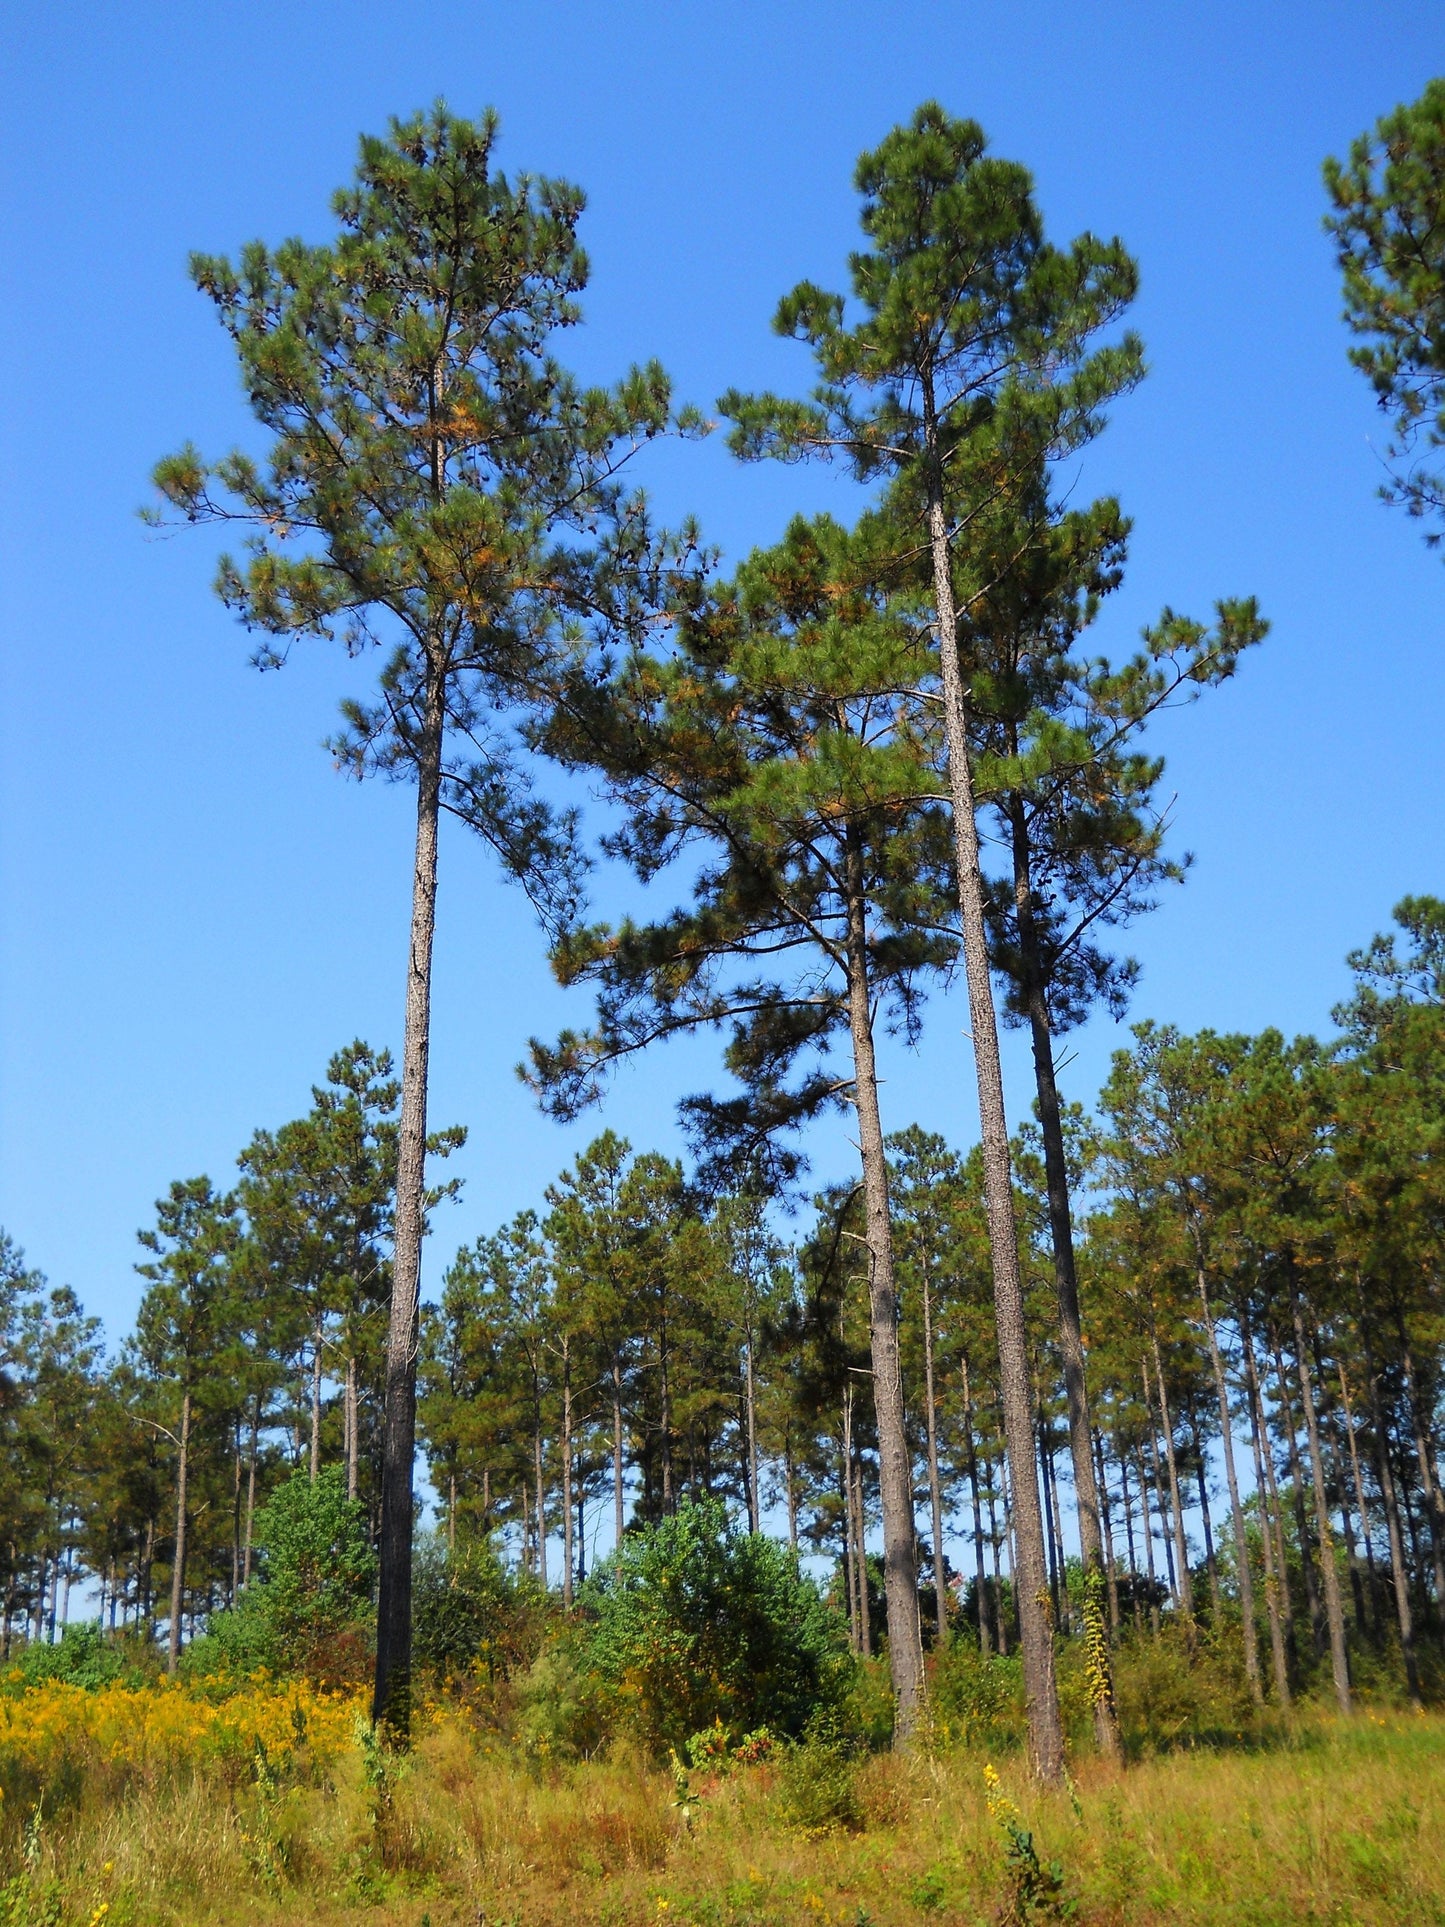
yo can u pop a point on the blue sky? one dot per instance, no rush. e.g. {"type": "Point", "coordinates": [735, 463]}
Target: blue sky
{"type": "Point", "coordinates": [197, 911]}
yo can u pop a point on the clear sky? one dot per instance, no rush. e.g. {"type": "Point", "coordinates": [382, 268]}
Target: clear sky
{"type": "Point", "coordinates": [197, 910]}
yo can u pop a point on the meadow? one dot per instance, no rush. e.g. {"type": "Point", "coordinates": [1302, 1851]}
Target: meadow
{"type": "Point", "coordinates": [201, 1803]}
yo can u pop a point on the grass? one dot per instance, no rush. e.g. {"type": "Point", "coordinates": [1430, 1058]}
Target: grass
{"type": "Point", "coordinates": [1331, 1822]}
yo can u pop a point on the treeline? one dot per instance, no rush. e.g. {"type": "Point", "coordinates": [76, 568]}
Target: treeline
{"type": "Point", "coordinates": [1259, 1267]}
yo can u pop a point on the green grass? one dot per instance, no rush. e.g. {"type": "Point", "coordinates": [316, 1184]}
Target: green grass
{"type": "Point", "coordinates": [1331, 1822]}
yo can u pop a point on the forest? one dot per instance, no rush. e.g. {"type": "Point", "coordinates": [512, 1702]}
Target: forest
{"type": "Point", "coordinates": [1045, 1528]}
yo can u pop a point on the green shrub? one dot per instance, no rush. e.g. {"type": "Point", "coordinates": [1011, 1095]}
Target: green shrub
{"type": "Point", "coordinates": [470, 1613]}
{"type": "Point", "coordinates": [974, 1701]}
{"type": "Point", "coordinates": [308, 1609]}
{"type": "Point", "coordinates": [693, 1622]}
{"type": "Point", "coordinates": [818, 1787]}
{"type": "Point", "coordinates": [82, 1656]}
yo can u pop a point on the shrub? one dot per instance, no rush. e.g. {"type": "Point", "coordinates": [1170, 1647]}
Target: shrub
{"type": "Point", "coordinates": [81, 1657]}
{"type": "Point", "coordinates": [470, 1612]}
{"type": "Point", "coordinates": [308, 1609]}
{"type": "Point", "coordinates": [693, 1622]}
{"type": "Point", "coordinates": [976, 1701]}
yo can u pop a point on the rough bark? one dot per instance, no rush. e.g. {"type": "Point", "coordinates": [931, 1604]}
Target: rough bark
{"type": "Point", "coordinates": [617, 1491]}
{"type": "Point", "coordinates": [895, 1472]}
{"type": "Point", "coordinates": [391, 1699]}
{"type": "Point", "coordinates": [1263, 1485]}
{"type": "Point", "coordinates": [1046, 1739]}
{"type": "Point", "coordinates": [1364, 1510]}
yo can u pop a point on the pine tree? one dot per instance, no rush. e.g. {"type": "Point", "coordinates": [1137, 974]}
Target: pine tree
{"type": "Point", "coordinates": [773, 746]}
{"type": "Point", "coordinates": [1389, 231]}
{"type": "Point", "coordinates": [436, 486]}
{"type": "Point", "coordinates": [973, 363]}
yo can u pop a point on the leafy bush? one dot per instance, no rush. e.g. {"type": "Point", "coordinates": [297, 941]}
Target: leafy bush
{"type": "Point", "coordinates": [471, 1613]}
{"type": "Point", "coordinates": [694, 1622]}
{"type": "Point", "coordinates": [975, 1701]}
{"type": "Point", "coordinates": [1168, 1694]}
{"type": "Point", "coordinates": [81, 1657]}
{"type": "Point", "coordinates": [308, 1609]}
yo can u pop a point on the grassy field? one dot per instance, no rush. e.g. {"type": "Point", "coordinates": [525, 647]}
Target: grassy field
{"type": "Point", "coordinates": [166, 1805]}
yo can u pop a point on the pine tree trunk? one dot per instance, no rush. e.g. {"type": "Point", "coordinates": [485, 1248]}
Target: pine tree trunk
{"type": "Point", "coordinates": [1156, 1490]}
{"type": "Point", "coordinates": [1263, 1485]}
{"type": "Point", "coordinates": [1066, 1275]}
{"type": "Point", "coordinates": [1318, 1634]}
{"type": "Point", "coordinates": [755, 1512]}
{"type": "Point", "coordinates": [391, 1699]}
{"type": "Point", "coordinates": [541, 1509]}
{"type": "Point", "coordinates": [1404, 1615]}
{"type": "Point", "coordinates": [1236, 1509]}
{"type": "Point", "coordinates": [1046, 1738]}
{"type": "Point", "coordinates": [1329, 1574]}
{"type": "Point", "coordinates": [316, 1401]}
{"type": "Point", "coordinates": [353, 1450]}
{"type": "Point", "coordinates": [845, 1469]}
{"type": "Point", "coordinates": [935, 1492]}
{"type": "Point", "coordinates": [178, 1563]}
{"type": "Point", "coordinates": [250, 1496]}
{"type": "Point", "coordinates": [895, 1472]}
{"type": "Point", "coordinates": [980, 1579]}
{"type": "Point", "coordinates": [617, 1495]}
{"type": "Point", "coordinates": [1364, 1511]}
{"type": "Point", "coordinates": [1429, 1484]}
{"type": "Point", "coordinates": [1111, 1581]}
{"type": "Point", "coordinates": [1176, 1506]}
{"type": "Point", "coordinates": [568, 1551]}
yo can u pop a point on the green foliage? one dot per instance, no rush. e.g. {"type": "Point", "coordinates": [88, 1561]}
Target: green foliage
{"type": "Point", "coordinates": [1169, 1695]}
{"type": "Point", "coordinates": [472, 1613]}
{"type": "Point", "coordinates": [1389, 230]}
{"type": "Point", "coordinates": [81, 1657]}
{"type": "Point", "coordinates": [307, 1610]}
{"type": "Point", "coordinates": [973, 1700]}
{"type": "Point", "coordinates": [696, 1622]}
{"type": "Point", "coordinates": [818, 1787]}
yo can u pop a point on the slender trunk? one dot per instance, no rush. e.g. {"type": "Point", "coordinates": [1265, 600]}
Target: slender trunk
{"type": "Point", "coordinates": [1066, 1277]}
{"type": "Point", "coordinates": [541, 1508]}
{"type": "Point", "coordinates": [1051, 1521]}
{"type": "Point", "coordinates": [845, 1465]}
{"type": "Point", "coordinates": [1245, 1578]}
{"type": "Point", "coordinates": [1181, 1544]}
{"type": "Point", "coordinates": [617, 1449]}
{"type": "Point", "coordinates": [1329, 1573]}
{"type": "Point", "coordinates": [995, 1540]}
{"type": "Point", "coordinates": [791, 1494]}
{"type": "Point", "coordinates": [980, 1582]}
{"type": "Point", "coordinates": [895, 1472]}
{"type": "Point", "coordinates": [178, 1563]}
{"type": "Point", "coordinates": [452, 1524]}
{"type": "Point", "coordinates": [1111, 1579]}
{"type": "Point", "coordinates": [1211, 1564]}
{"type": "Point", "coordinates": [1318, 1634]}
{"type": "Point", "coordinates": [1404, 1615]}
{"type": "Point", "coordinates": [1046, 1739]}
{"type": "Point", "coordinates": [567, 1547]}
{"type": "Point", "coordinates": [316, 1342]}
{"type": "Point", "coordinates": [391, 1699]}
{"type": "Point", "coordinates": [750, 1396]}
{"type": "Point", "coordinates": [935, 1494]}
{"type": "Point", "coordinates": [235, 1513]}
{"type": "Point", "coordinates": [1263, 1485]}
{"type": "Point", "coordinates": [250, 1495]}
{"type": "Point", "coordinates": [1429, 1485]}
{"type": "Point", "coordinates": [860, 1558]}
{"type": "Point", "coordinates": [1166, 1534]}
{"type": "Point", "coordinates": [353, 1453]}
{"type": "Point", "coordinates": [1363, 1508]}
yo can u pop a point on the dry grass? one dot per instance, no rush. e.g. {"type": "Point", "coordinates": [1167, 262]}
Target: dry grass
{"type": "Point", "coordinates": [1341, 1824]}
